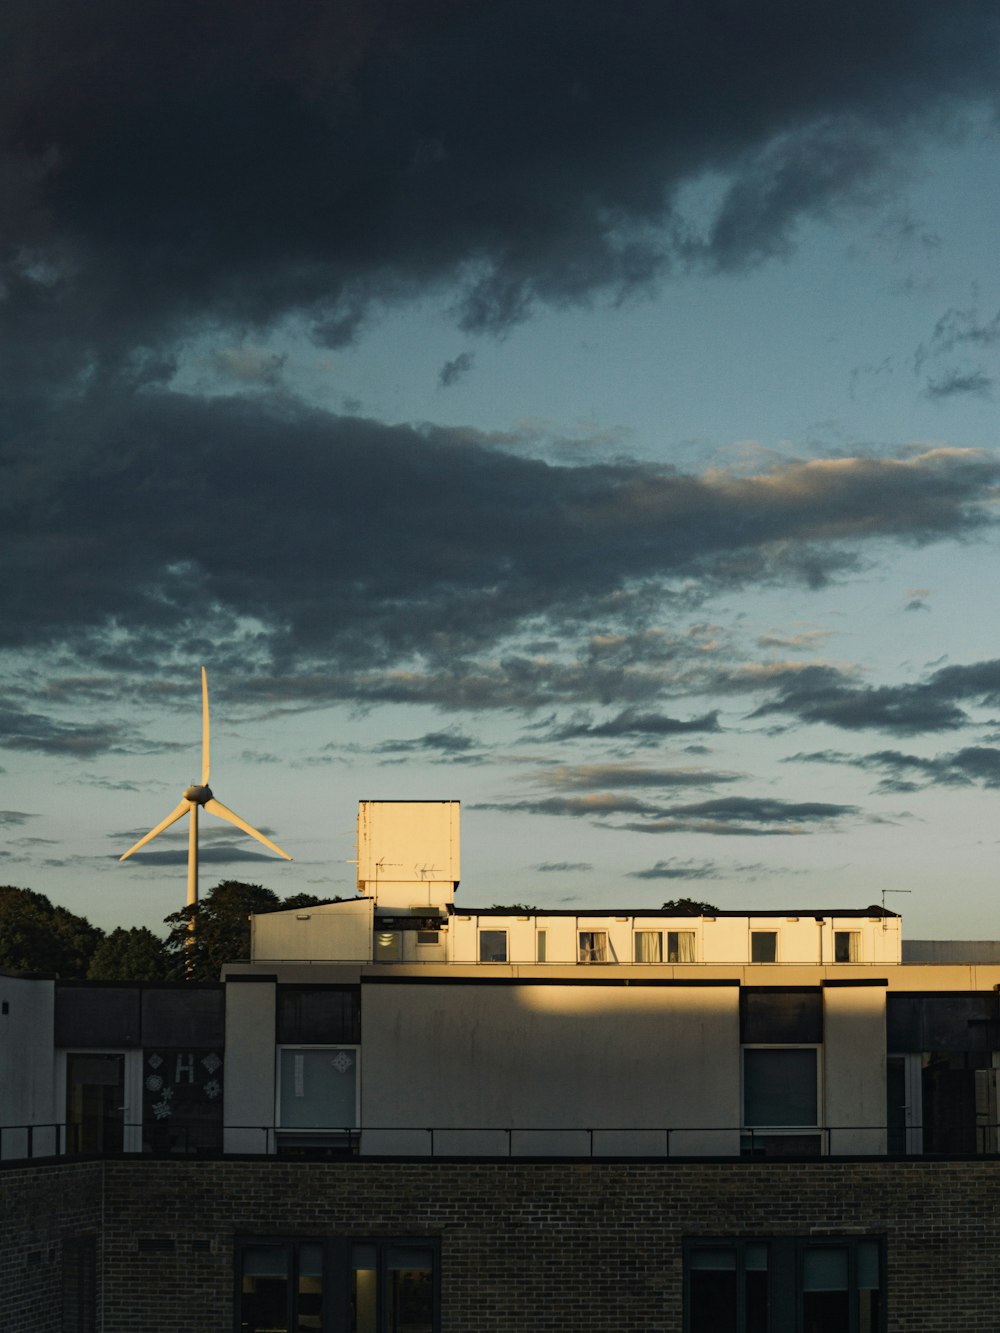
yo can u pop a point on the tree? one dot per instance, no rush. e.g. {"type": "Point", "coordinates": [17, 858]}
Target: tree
{"type": "Point", "coordinates": [222, 928]}
{"type": "Point", "coordinates": [135, 954]}
{"type": "Point", "coordinates": [689, 907]}
{"type": "Point", "coordinates": [36, 936]}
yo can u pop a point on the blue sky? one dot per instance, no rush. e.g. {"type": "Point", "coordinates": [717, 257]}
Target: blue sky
{"type": "Point", "coordinates": [497, 416]}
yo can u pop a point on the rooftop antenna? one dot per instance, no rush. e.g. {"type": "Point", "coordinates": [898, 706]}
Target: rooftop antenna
{"type": "Point", "coordinates": [884, 892]}
{"type": "Point", "coordinates": [199, 796]}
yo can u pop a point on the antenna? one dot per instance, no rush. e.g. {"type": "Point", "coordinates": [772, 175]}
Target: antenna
{"type": "Point", "coordinates": [199, 796]}
{"type": "Point", "coordinates": [884, 892]}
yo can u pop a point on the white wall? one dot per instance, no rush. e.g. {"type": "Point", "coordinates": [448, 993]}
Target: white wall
{"type": "Point", "coordinates": [855, 1067]}
{"type": "Point", "coordinates": [335, 931]}
{"type": "Point", "coordinates": [27, 1064]}
{"type": "Point", "coordinates": [250, 1053]}
{"type": "Point", "coordinates": [563, 1056]}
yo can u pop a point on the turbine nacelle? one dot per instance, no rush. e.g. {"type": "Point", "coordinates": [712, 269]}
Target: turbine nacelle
{"type": "Point", "coordinates": [198, 794]}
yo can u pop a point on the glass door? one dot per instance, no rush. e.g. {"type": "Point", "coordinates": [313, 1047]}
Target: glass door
{"type": "Point", "coordinates": [95, 1103]}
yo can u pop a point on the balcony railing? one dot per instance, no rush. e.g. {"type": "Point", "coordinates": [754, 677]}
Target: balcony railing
{"type": "Point", "coordinates": [115, 1138]}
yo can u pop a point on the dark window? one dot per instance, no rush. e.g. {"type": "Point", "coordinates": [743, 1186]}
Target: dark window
{"type": "Point", "coordinates": [774, 1016]}
{"type": "Point", "coordinates": [98, 1016]}
{"type": "Point", "coordinates": [319, 1015]}
{"type": "Point", "coordinates": [942, 1022]}
{"type": "Point", "coordinates": [846, 946]}
{"type": "Point", "coordinates": [779, 1087]}
{"type": "Point", "coordinates": [763, 946]}
{"type": "Point", "coordinates": [337, 1286]}
{"type": "Point", "coordinates": [493, 946]}
{"type": "Point", "coordinates": [784, 1285]}
{"type": "Point", "coordinates": [95, 1102]}
{"type": "Point", "coordinates": [182, 1015]}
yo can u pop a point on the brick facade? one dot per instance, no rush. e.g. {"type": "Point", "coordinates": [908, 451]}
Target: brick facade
{"type": "Point", "coordinates": [554, 1247]}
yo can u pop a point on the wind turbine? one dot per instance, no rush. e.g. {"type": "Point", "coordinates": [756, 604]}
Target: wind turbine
{"type": "Point", "coordinates": [199, 796]}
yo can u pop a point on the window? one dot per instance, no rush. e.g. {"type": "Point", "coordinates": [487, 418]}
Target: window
{"type": "Point", "coordinates": [594, 946]}
{"type": "Point", "coordinates": [337, 1286]}
{"type": "Point", "coordinates": [318, 1015]}
{"type": "Point", "coordinates": [428, 937]}
{"type": "Point", "coordinates": [846, 946]}
{"type": "Point", "coordinates": [780, 1087]}
{"type": "Point", "coordinates": [814, 1285]}
{"type": "Point", "coordinates": [493, 946]}
{"type": "Point", "coordinates": [781, 1016]}
{"type": "Point", "coordinates": [680, 946]}
{"type": "Point", "coordinates": [763, 946]}
{"type": "Point", "coordinates": [317, 1087]}
{"type": "Point", "coordinates": [541, 946]}
{"type": "Point", "coordinates": [649, 946]}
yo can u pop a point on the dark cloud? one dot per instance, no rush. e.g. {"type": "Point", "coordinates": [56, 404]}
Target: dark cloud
{"type": "Point", "coordinates": [249, 524]}
{"type": "Point", "coordinates": [451, 742]}
{"type": "Point", "coordinates": [258, 159]}
{"type": "Point", "coordinates": [973, 764]}
{"type": "Point", "coordinates": [452, 371]}
{"type": "Point", "coordinates": [587, 777]}
{"type": "Point", "coordinates": [956, 382]}
{"type": "Point", "coordinates": [724, 816]}
{"type": "Point", "coordinates": [745, 815]}
{"type": "Point", "coordinates": [632, 723]}
{"type": "Point", "coordinates": [555, 867]}
{"type": "Point", "coordinates": [45, 735]}
{"type": "Point", "coordinates": [13, 818]}
{"type": "Point", "coordinates": [825, 694]}
{"type": "Point", "coordinates": [674, 869]}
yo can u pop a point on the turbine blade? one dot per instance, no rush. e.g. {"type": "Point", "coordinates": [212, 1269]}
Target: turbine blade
{"type": "Point", "coordinates": [217, 808]}
{"type": "Point", "coordinates": [172, 818]}
{"type": "Point", "coordinates": [205, 754]}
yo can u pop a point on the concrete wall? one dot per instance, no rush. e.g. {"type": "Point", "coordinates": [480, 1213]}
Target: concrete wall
{"type": "Point", "coordinates": [27, 1065]}
{"type": "Point", "coordinates": [854, 1068]}
{"type": "Point", "coordinates": [408, 852]}
{"type": "Point", "coordinates": [250, 1056]}
{"type": "Point", "coordinates": [334, 932]}
{"type": "Point", "coordinates": [544, 1057]}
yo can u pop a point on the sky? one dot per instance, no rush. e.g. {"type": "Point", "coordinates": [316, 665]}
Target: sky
{"type": "Point", "coordinates": [586, 412]}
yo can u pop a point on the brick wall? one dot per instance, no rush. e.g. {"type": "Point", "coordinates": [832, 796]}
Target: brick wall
{"type": "Point", "coordinates": [40, 1207]}
{"type": "Point", "coordinates": [554, 1247]}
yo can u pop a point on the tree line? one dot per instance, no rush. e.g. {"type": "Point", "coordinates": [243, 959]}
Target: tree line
{"type": "Point", "coordinates": [37, 936]}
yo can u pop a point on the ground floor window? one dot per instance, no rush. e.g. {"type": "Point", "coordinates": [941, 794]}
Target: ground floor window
{"type": "Point", "coordinates": [337, 1286]}
{"type": "Point", "coordinates": [784, 1285]}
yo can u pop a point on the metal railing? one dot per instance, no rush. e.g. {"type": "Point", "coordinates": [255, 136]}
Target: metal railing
{"type": "Point", "coordinates": [114, 1138]}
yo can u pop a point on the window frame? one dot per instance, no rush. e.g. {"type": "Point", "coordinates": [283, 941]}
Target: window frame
{"type": "Point", "coordinates": [782, 1130]}
{"type": "Point", "coordinates": [646, 962]}
{"type": "Point", "coordinates": [764, 962]}
{"type": "Point", "coordinates": [694, 947]}
{"type": "Point", "coordinates": [606, 948]}
{"type": "Point", "coordinates": [785, 1270]}
{"type": "Point", "coordinates": [492, 930]}
{"type": "Point", "coordinates": [338, 1271]}
{"type": "Point", "coordinates": [303, 1131]}
{"type": "Point", "coordinates": [854, 946]}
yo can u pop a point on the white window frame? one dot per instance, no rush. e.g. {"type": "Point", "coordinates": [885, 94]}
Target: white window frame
{"type": "Point", "coordinates": [635, 946]}
{"type": "Point", "coordinates": [493, 930]}
{"type": "Point", "coordinates": [854, 947]}
{"type": "Point", "coordinates": [777, 945]}
{"type": "Point", "coordinates": [594, 962]}
{"type": "Point", "coordinates": [685, 931]}
{"type": "Point", "coordinates": [132, 1089]}
{"type": "Point", "coordinates": [316, 1129]}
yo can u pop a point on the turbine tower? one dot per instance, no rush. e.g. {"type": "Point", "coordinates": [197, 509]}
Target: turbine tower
{"type": "Point", "coordinates": [199, 796]}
